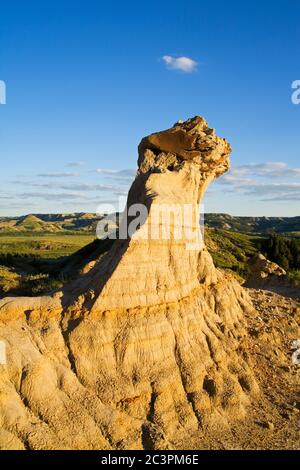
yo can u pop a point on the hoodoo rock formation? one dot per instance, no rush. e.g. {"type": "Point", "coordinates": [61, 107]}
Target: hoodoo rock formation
{"type": "Point", "coordinates": [149, 347]}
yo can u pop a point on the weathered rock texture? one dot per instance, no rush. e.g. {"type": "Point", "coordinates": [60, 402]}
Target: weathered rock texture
{"type": "Point", "coordinates": [269, 276]}
{"type": "Point", "coordinates": [149, 346]}
{"type": "Point", "coordinates": [265, 273]}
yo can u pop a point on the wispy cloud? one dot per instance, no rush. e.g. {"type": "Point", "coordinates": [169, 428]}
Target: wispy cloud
{"type": "Point", "coordinates": [121, 193]}
{"type": "Point", "coordinates": [267, 169]}
{"type": "Point", "coordinates": [72, 186]}
{"type": "Point", "coordinates": [184, 64]}
{"type": "Point", "coordinates": [261, 181]}
{"type": "Point", "coordinates": [274, 191]}
{"type": "Point", "coordinates": [16, 205]}
{"type": "Point", "coordinates": [94, 202]}
{"type": "Point", "coordinates": [90, 187]}
{"type": "Point", "coordinates": [283, 197]}
{"type": "Point", "coordinates": [51, 196]}
{"type": "Point", "coordinates": [123, 176]}
{"type": "Point", "coordinates": [78, 163]}
{"type": "Point", "coordinates": [127, 172]}
{"type": "Point", "coordinates": [50, 188]}
{"type": "Point", "coordinates": [58, 175]}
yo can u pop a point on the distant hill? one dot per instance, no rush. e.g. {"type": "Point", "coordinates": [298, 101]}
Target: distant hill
{"type": "Point", "coordinates": [254, 225]}
{"type": "Point", "coordinates": [50, 223]}
{"type": "Point", "coordinates": [32, 223]}
{"type": "Point", "coordinates": [86, 222]}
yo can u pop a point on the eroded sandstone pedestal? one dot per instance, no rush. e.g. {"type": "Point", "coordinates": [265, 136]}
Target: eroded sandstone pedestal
{"type": "Point", "coordinates": [149, 345]}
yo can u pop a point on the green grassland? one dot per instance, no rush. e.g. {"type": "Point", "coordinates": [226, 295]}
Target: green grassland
{"type": "Point", "coordinates": [231, 250]}
{"type": "Point", "coordinates": [43, 245]}
{"type": "Point", "coordinates": [34, 263]}
{"type": "Point", "coordinates": [30, 264]}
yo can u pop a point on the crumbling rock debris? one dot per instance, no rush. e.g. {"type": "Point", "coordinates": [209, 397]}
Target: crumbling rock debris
{"type": "Point", "coordinates": [295, 344]}
{"type": "Point", "coordinates": [269, 276]}
{"type": "Point", "coordinates": [296, 357]}
{"type": "Point", "coordinates": [263, 268]}
{"type": "Point", "coordinates": [265, 273]}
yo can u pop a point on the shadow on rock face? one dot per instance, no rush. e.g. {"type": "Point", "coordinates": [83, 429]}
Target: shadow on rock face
{"type": "Point", "coordinates": [149, 345]}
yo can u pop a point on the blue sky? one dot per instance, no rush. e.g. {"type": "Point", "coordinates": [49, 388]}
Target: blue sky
{"type": "Point", "coordinates": [86, 80]}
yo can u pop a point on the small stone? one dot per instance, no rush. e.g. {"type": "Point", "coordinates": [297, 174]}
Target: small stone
{"type": "Point", "coordinates": [285, 368]}
{"type": "Point", "coordinates": [295, 344]}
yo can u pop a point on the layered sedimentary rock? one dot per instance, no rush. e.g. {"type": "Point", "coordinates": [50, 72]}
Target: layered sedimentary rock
{"type": "Point", "coordinates": [149, 345]}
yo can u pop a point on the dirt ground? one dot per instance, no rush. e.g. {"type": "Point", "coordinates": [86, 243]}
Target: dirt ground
{"type": "Point", "coordinates": [273, 421]}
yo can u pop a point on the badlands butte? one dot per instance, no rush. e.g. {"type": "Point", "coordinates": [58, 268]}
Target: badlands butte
{"type": "Point", "coordinates": [153, 347]}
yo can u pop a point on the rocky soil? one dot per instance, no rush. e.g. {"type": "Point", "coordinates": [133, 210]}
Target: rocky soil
{"type": "Point", "coordinates": [273, 420]}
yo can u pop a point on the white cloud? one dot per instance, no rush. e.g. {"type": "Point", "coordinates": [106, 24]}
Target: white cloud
{"type": "Point", "coordinates": [126, 173]}
{"type": "Point", "coordinates": [57, 175]}
{"type": "Point", "coordinates": [267, 169]}
{"type": "Point", "coordinates": [51, 197]}
{"type": "Point", "coordinates": [121, 193]}
{"type": "Point", "coordinates": [79, 163]}
{"type": "Point", "coordinates": [83, 188]}
{"type": "Point", "coordinates": [123, 176]}
{"type": "Point", "coordinates": [270, 181]}
{"type": "Point", "coordinates": [71, 186]}
{"type": "Point", "coordinates": [185, 64]}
